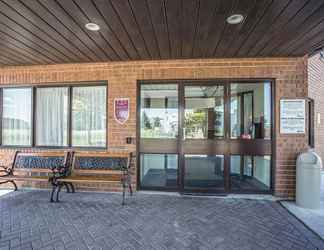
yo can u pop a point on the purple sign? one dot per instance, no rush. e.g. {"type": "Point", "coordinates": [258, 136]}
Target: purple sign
{"type": "Point", "coordinates": [121, 109]}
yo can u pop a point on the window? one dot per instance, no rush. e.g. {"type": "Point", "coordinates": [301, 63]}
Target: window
{"type": "Point", "coordinates": [159, 170]}
{"type": "Point", "coordinates": [204, 171]}
{"type": "Point", "coordinates": [250, 172]}
{"type": "Point", "coordinates": [16, 117]}
{"type": "Point", "coordinates": [204, 112]}
{"type": "Point", "coordinates": [89, 116]}
{"type": "Point", "coordinates": [52, 116]}
{"type": "Point", "coordinates": [159, 111]}
{"type": "Point", "coordinates": [251, 110]}
{"type": "Point", "coordinates": [55, 116]}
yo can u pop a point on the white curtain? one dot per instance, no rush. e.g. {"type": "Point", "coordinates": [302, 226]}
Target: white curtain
{"type": "Point", "coordinates": [16, 122]}
{"type": "Point", "coordinates": [52, 116]}
{"type": "Point", "coordinates": [89, 116]}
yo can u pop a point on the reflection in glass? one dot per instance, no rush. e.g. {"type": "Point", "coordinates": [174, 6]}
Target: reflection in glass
{"type": "Point", "coordinates": [89, 116]}
{"type": "Point", "coordinates": [52, 116]}
{"type": "Point", "coordinates": [159, 111]}
{"type": "Point", "coordinates": [202, 171]}
{"type": "Point", "coordinates": [16, 121]}
{"type": "Point", "coordinates": [204, 112]}
{"type": "Point", "coordinates": [251, 110]}
{"type": "Point", "coordinates": [250, 172]}
{"type": "Point", "coordinates": [159, 170]}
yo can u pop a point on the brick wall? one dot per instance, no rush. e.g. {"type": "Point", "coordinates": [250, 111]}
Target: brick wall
{"type": "Point", "coordinates": [290, 75]}
{"type": "Point", "coordinates": [316, 92]}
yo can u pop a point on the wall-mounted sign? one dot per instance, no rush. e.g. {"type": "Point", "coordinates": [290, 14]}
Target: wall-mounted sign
{"type": "Point", "coordinates": [292, 116]}
{"type": "Point", "coordinates": [121, 109]}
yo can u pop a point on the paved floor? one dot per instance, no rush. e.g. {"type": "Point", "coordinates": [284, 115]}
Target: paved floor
{"type": "Point", "coordinates": [312, 218]}
{"type": "Point", "coordinates": [4, 191]}
{"type": "Point", "coordinates": [97, 221]}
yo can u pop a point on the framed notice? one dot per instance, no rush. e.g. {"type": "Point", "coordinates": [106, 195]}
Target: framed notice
{"type": "Point", "coordinates": [121, 110]}
{"type": "Point", "coordinates": [292, 116]}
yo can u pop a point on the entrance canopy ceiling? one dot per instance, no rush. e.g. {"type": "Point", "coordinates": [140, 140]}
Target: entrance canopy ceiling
{"type": "Point", "coordinates": [53, 31]}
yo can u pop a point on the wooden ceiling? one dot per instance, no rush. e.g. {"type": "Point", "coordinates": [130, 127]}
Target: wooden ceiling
{"type": "Point", "coordinates": [52, 31]}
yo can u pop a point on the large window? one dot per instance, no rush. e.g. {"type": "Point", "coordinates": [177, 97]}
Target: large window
{"type": "Point", "coordinates": [16, 117]}
{"type": "Point", "coordinates": [48, 116]}
{"type": "Point", "coordinates": [52, 117]}
{"type": "Point", "coordinates": [89, 116]}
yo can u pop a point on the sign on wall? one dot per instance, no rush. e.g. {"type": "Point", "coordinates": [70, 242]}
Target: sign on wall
{"type": "Point", "coordinates": [121, 109]}
{"type": "Point", "coordinates": [292, 116]}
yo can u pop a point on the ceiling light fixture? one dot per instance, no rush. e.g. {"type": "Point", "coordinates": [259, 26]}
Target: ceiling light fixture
{"type": "Point", "coordinates": [235, 19]}
{"type": "Point", "coordinates": [92, 26]}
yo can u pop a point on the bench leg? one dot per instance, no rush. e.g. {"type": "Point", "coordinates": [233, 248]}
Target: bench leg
{"type": "Point", "coordinates": [14, 183]}
{"type": "Point", "coordinates": [72, 187]}
{"type": "Point", "coordinates": [124, 193]}
{"type": "Point", "coordinates": [60, 185]}
{"type": "Point", "coordinates": [67, 187]}
{"type": "Point", "coordinates": [130, 189]}
{"type": "Point", "coordinates": [53, 191]}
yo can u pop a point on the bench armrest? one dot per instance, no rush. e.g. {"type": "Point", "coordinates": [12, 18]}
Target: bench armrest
{"type": "Point", "coordinates": [4, 173]}
{"type": "Point", "coordinates": [3, 167]}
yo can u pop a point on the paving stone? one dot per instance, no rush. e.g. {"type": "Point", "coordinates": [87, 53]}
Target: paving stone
{"type": "Point", "coordinates": [98, 221]}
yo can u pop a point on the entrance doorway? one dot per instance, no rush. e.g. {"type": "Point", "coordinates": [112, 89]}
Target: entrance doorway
{"type": "Point", "coordinates": [205, 136]}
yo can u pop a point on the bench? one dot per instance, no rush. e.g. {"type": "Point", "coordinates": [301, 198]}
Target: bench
{"type": "Point", "coordinates": [99, 168]}
{"type": "Point", "coordinates": [35, 167]}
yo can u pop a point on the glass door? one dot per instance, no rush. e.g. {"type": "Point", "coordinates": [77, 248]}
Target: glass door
{"type": "Point", "coordinates": [205, 136]}
{"type": "Point", "coordinates": [158, 129]}
{"type": "Point", "coordinates": [203, 132]}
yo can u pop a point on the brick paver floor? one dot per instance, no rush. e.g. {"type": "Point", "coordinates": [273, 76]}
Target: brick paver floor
{"type": "Point", "coordinates": [98, 221]}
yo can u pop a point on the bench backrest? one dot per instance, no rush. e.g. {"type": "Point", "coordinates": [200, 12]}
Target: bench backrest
{"type": "Point", "coordinates": [41, 160]}
{"type": "Point", "coordinates": [100, 161]}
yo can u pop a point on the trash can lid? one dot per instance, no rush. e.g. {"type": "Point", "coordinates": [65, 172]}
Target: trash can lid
{"type": "Point", "coordinates": [309, 158]}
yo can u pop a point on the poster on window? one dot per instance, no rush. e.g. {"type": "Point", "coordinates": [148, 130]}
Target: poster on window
{"type": "Point", "coordinates": [121, 109]}
{"type": "Point", "coordinates": [292, 116]}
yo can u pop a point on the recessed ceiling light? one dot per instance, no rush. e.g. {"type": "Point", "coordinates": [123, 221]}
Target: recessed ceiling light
{"type": "Point", "coordinates": [92, 26]}
{"type": "Point", "coordinates": [235, 19]}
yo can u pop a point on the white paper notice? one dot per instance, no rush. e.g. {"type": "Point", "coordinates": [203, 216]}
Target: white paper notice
{"type": "Point", "coordinates": [292, 116]}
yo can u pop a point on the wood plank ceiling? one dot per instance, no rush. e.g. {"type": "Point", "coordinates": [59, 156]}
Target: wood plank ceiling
{"type": "Point", "coordinates": [53, 31]}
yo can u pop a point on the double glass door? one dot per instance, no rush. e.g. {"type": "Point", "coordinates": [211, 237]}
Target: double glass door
{"type": "Point", "coordinates": [189, 132]}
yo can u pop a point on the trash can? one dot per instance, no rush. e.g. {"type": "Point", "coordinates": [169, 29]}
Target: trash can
{"type": "Point", "coordinates": [308, 180]}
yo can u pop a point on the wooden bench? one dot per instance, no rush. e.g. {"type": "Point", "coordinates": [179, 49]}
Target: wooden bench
{"type": "Point", "coordinates": [100, 168]}
{"type": "Point", "coordinates": [34, 167]}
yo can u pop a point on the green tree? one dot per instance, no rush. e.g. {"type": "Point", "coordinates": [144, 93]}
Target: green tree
{"type": "Point", "coordinates": [157, 122]}
{"type": "Point", "coordinates": [146, 121]}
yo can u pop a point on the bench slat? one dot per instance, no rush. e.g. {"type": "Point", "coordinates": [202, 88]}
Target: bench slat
{"type": "Point", "coordinates": [25, 178]}
{"type": "Point", "coordinates": [92, 178]}
{"type": "Point", "coordinates": [96, 180]}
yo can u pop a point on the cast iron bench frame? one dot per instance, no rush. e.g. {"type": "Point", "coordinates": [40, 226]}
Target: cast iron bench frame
{"type": "Point", "coordinates": [123, 175]}
{"type": "Point", "coordinates": [8, 173]}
